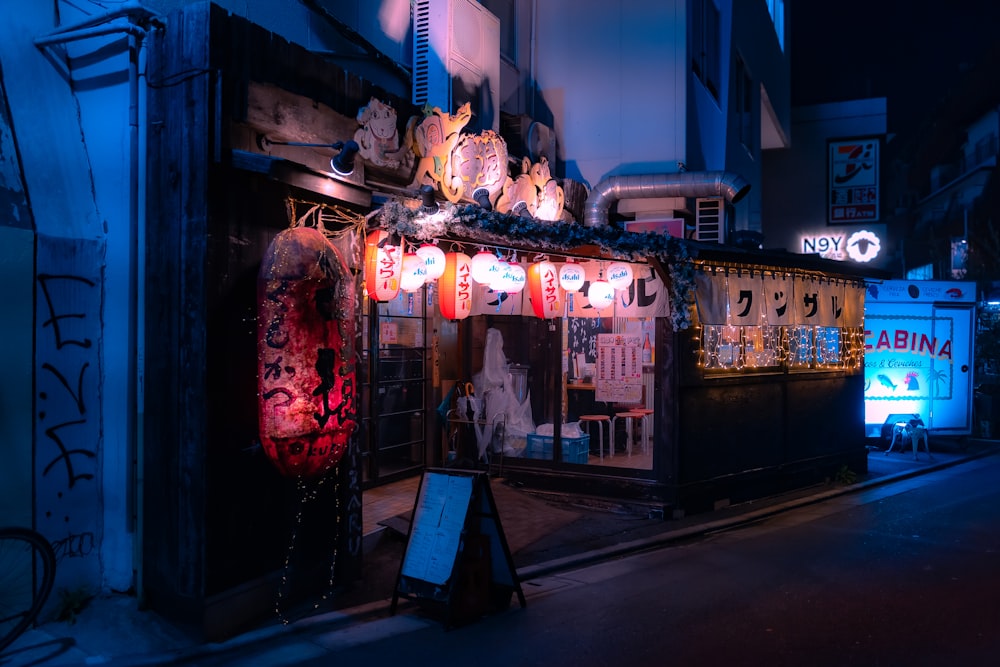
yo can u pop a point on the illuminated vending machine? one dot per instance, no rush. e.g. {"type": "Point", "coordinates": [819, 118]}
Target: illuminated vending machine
{"type": "Point", "coordinates": [919, 355]}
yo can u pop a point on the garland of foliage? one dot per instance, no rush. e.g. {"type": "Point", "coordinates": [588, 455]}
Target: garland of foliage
{"type": "Point", "coordinates": [493, 228]}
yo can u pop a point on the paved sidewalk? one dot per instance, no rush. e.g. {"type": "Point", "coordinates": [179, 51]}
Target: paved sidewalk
{"type": "Point", "coordinates": [111, 630]}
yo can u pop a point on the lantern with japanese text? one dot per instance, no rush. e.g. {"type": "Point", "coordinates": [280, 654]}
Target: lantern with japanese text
{"type": "Point", "coordinates": [455, 286]}
{"type": "Point", "coordinates": [620, 275]}
{"type": "Point", "coordinates": [571, 276]}
{"type": "Point", "coordinates": [601, 294]}
{"type": "Point", "coordinates": [305, 353]}
{"type": "Point", "coordinates": [433, 258]}
{"type": "Point", "coordinates": [544, 290]}
{"type": "Point", "coordinates": [383, 266]}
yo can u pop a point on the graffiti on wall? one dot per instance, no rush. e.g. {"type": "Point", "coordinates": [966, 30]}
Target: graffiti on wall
{"type": "Point", "coordinates": [68, 308]}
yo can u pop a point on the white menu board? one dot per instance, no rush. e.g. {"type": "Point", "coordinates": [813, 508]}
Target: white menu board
{"type": "Point", "coordinates": [437, 527]}
{"type": "Point", "coordinates": [619, 368]}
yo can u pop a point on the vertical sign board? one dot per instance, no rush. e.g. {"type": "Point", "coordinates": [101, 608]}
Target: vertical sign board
{"type": "Point", "coordinates": [853, 173]}
{"type": "Point", "coordinates": [619, 368]}
{"type": "Point", "coordinates": [456, 555]}
{"type": "Point", "coordinates": [918, 353]}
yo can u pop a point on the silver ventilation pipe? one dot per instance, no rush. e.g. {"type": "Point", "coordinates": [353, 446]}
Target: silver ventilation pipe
{"type": "Point", "coordinates": [648, 186]}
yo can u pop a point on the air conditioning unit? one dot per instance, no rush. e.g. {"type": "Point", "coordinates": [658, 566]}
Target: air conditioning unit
{"type": "Point", "coordinates": [709, 220]}
{"type": "Point", "coordinates": [456, 59]}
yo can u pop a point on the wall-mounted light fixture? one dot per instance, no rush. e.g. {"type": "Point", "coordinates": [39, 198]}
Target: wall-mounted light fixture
{"type": "Point", "coordinates": [482, 197]}
{"type": "Point", "coordinates": [342, 163]}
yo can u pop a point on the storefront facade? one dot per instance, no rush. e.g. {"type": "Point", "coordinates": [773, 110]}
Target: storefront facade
{"type": "Point", "coordinates": [239, 176]}
{"type": "Point", "coordinates": [198, 506]}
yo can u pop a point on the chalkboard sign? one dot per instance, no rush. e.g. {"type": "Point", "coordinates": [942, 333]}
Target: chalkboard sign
{"type": "Point", "coordinates": [457, 557]}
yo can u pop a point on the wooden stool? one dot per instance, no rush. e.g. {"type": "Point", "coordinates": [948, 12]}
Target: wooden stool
{"type": "Point", "coordinates": [599, 420]}
{"type": "Point", "coordinates": [627, 415]}
{"type": "Point", "coordinates": [646, 434]}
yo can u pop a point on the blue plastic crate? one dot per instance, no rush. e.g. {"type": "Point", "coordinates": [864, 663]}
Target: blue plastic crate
{"type": "Point", "coordinates": [574, 450]}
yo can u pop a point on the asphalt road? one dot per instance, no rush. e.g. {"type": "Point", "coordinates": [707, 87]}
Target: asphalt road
{"type": "Point", "coordinates": [905, 574]}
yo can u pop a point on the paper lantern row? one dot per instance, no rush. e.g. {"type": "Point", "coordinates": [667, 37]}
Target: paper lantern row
{"type": "Point", "coordinates": [388, 269]}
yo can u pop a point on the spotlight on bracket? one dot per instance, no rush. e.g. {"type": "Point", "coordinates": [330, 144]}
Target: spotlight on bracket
{"type": "Point", "coordinates": [342, 163]}
{"type": "Point", "coordinates": [482, 197]}
{"type": "Point", "coordinates": [428, 205]}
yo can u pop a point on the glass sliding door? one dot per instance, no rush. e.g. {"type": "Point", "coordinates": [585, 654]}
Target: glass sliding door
{"type": "Point", "coordinates": [394, 391]}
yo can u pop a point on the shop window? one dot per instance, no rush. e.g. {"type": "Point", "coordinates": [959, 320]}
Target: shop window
{"type": "Point", "coordinates": [506, 11]}
{"type": "Point", "coordinates": [726, 349]}
{"type": "Point", "coordinates": [738, 348]}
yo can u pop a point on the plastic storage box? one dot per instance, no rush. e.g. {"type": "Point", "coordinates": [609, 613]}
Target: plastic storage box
{"type": "Point", "coordinates": [574, 450]}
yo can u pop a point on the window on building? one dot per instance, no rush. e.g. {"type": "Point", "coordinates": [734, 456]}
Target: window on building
{"type": "Point", "coordinates": [705, 44]}
{"type": "Point", "coordinates": [506, 11]}
{"type": "Point", "coordinates": [744, 105]}
{"type": "Point", "coordinates": [777, 10]}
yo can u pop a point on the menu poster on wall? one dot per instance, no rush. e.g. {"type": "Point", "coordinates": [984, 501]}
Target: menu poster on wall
{"type": "Point", "coordinates": [619, 368]}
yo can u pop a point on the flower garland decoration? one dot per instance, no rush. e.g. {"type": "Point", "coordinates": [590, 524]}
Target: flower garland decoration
{"type": "Point", "coordinates": [495, 228]}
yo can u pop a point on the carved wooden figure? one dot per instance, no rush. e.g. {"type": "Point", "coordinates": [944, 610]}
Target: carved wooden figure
{"type": "Point", "coordinates": [378, 136]}
{"type": "Point", "coordinates": [432, 139]}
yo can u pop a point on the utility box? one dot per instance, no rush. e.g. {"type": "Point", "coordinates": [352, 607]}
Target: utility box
{"type": "Point", "coordinates": [919, 344]}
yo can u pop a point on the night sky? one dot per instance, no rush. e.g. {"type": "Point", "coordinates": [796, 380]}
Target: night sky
{"type": "Point", "coordinates": [908, 51]}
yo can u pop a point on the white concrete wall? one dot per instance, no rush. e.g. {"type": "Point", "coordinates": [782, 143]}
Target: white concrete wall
{"type": "Point", "coordinates": [613, 77]}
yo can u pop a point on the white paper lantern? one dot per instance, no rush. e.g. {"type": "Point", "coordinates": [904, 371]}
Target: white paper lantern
{"type": "Point", "coordinates": [601, 294]}
{"type": "Point", "coordinates": [433, 258]}
{"type": "Point", "coordinates": [571, 276]}
{"type": "Point", "coordinates": [515, 279]}
{"type": "Point", "coordinates": [620, 275]}
{"type": "Point", "coordinates": [499, 276]}
{"type": "Point", "coordinates": [484, 267]}
{"type": "Point", "coordinates": [414, 273]}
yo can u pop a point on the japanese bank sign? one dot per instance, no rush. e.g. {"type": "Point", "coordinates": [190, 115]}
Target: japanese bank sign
{"type": "Point", "coordinates": [853, 171]}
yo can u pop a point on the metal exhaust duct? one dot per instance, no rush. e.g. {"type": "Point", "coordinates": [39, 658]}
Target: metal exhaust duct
{"type": "Point", "coordinates": [647, 186]}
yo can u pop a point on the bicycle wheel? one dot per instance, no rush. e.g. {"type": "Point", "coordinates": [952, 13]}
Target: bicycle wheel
{"type": "Point", "coordinates": [27, 571]}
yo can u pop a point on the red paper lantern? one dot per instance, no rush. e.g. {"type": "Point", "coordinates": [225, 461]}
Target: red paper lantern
{"type": "Point", "coordinates": [383, 266]}
{"type": "Point", "coordinates": [305, 353]}
{"type": "Point", "coordinates": [543, 288]}
{"type": "Point", "coordinates": [455, 286]}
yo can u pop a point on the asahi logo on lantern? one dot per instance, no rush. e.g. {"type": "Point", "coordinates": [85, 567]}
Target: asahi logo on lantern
{"type": "Point", "coordinates": [620, 275]}
{"type": "Point", "coordinates": [571, 277]}
{"type": "Point", "coordinates": [433, 258]}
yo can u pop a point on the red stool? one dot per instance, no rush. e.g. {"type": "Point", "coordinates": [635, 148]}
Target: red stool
{"type": "Point", "coordinates": [628, 416]}
{"type": "Point", "coordinates": [600, 420]}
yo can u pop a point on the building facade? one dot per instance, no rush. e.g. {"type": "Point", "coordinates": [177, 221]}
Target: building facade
{"type": "Point", "coordinates": [131, 257]}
